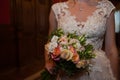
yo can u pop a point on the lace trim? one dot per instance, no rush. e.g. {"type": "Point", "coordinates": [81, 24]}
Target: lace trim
{"type": "Point", "coordinates": [105, 4]}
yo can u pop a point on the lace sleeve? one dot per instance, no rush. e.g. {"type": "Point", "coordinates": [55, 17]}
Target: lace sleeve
{"type": "Point", "coordinates": [56, 9]}
{"type": "Point", "coordinates": [110, 7]}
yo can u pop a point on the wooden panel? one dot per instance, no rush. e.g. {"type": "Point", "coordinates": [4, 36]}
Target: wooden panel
{"type": "Point", "coordinates": [24, 20]}
{"type": "Point", "coordinates": [42, 12]}
{"type": "Point", "coordinates": [28, 16]}
{"type": "Point", "coordinates": [7, 47]}
{"type": "Point", "coordinates": [42, 18]}
{"type": "Point", "coordinates": [31, 21]}
{"type": "Point", "coordinates": [27, 33]}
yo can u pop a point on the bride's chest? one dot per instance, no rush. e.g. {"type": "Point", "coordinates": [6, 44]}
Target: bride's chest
{"type": "Point", "coordinates": [95, 24]}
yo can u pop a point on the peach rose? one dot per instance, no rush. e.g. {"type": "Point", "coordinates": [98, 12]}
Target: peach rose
{"type": "Point", "coordinates": [57, 51]}
{"type": "Point", "coordinates": [75, 58]}
{"type": "Point", "coordinates": [72, 49]}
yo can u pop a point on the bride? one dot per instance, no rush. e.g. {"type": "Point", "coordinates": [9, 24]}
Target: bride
{"type": "Point", "coordinates": [95, 18]}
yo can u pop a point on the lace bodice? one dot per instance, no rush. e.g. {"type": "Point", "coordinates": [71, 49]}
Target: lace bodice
{"type": "Point", "coordinates": [94, 27]}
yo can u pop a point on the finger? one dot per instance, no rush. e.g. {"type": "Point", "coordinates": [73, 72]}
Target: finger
{"type": "Point", "coordinates": [53, 71]}
{"type": "Point", "coordinates": [49, 70]}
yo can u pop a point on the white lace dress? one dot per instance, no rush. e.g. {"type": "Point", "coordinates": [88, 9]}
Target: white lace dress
{"type": "Point", "coordinates": [94, 28]}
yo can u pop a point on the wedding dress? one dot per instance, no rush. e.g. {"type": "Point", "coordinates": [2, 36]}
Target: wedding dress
{"type": "Point", "coordinates": [94, 28]}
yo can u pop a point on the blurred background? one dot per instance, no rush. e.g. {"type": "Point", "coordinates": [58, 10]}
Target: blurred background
{"type": "Point", "coordinates": [23, 33]}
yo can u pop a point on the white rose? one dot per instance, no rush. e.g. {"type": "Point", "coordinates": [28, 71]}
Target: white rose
{"type": "Point", "coordinates": [54, 39]}
{"type": "Point", "coordinates": [52, 46]}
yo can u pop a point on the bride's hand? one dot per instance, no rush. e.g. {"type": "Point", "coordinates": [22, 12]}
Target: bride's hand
{"type": "Point", "coordinates": [50, 66]}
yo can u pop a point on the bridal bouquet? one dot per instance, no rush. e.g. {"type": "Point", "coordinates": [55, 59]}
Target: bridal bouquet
{"type": "Point", "coordinates": [70, 52]}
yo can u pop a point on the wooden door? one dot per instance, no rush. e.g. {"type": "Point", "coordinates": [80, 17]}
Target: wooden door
{"type": "Point", "coordinates": [42, 15]}
{"type": "Point", "coordinates": [31, 22]}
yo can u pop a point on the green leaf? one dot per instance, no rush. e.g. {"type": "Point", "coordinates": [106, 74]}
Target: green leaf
{"type": "Point", "coordinates": [72, 35]}
{"type": "Point", "coordinates": [58, 32]}
{"type": "Point", "coordinates": [88, 53]}
{"type": "Point", "coordinates": [82, 39]}
{"type": "Point", "coordinates": [45, 75]}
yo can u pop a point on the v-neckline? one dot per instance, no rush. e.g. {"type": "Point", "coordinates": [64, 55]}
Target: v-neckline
{"type": "Point", "coordinates": [87, 18]}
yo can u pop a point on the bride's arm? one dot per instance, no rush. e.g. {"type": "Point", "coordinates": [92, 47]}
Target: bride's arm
{"type": "Point", "coordinates": [52, 26]}
{"type": "Point", "coordinates": [110, 44]}
{"type": "Point", "coordinates": [52, 22]}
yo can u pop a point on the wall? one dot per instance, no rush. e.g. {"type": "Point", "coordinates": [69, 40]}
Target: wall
{"type": "Point", "coordinates": [4, 12]}
{"type": "Point", "coordinates": [7, 37]}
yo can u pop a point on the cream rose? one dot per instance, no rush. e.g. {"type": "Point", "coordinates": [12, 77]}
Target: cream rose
{"type": "Point", "coordinates": [66, 54]}
{"type": "Point", "coordinates": [81, 63]}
